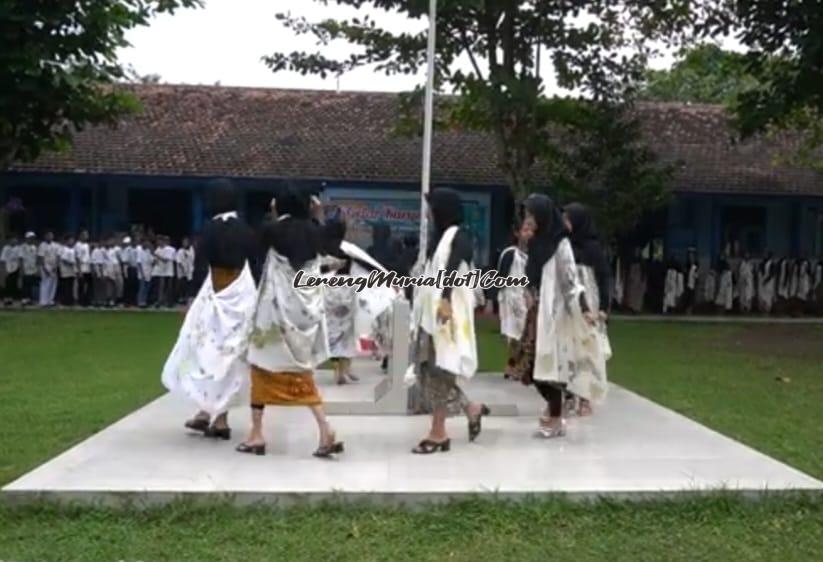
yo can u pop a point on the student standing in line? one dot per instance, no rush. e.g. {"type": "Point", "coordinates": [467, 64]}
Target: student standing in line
{"type": "Point", "coordinates": [28, 255]}
{"type": "Point", "coordinates": [692, 276]}
{"type": "Point", "coordinates": [68, 272]}
{"type": "Point", "coordinates": [185, 271]}
{"type": "Point", "coordinates": [556, 300]}
{"type": "Point", "coordinates": [746, 289]}
{"type": "Point", "coordinates": [11, 261]}
{"type": "Point", "coordinates": [99, 266]}
{"type": "Point", "coordinates": [115, 271]}
{"type": "Point", "coordinates": [48, 254]}
{"type": "Point", "coordinates": [128, 259]}
{"type": "Point", "coordinates": [145, 267]}
{"type": "Point", "coordinates": [163, 274]}
{"type": "Point", "coordinates": [82, 252]}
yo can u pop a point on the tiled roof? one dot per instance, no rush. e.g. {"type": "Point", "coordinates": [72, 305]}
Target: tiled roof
{"type": "Point", "coordinates": [250, 132]}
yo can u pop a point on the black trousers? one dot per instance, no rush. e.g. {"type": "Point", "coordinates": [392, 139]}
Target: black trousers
{"type": "Point", "coordinates": [11, 290]}
{"type": "Point", "coordinates": [65, 291]}
{"type": "Point", "coordinates": [553, 395]}
{"type": "Point", "coordinates": [84, 289]}
{"type": "Point", "coordinates": [130, 286]}
{"type": "Point", "coordinates": [30, 283]}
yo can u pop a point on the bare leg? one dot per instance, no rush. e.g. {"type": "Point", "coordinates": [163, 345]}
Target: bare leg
{"type": "Point", "coordinates": [347, 370]}
{"type": "Point", "coordinates": [221, 421]}
{"type": "Point", "coordinates": [256, 433]}
{"type": "Point", "coordinates": [437, 433]}
{"type": "Point", "coordinates": [324, 429]}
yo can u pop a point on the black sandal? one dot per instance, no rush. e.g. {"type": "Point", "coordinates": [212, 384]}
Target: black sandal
{"type": "Point", "coordinates": [327, 451]}
{"type": "Point", "coordinates": [197, 424]}
{"type": "Point", "coordinates": [475, 426]}
{"type": "Point", "coordinates": [259, 450]}
{"type": "Point", "coordinates": [427, 447]}
{"type": "Point", "coordinates": [223, 433]}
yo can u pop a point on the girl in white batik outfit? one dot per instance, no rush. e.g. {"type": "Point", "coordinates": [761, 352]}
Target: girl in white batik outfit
{"type": "Point", "coordinates": [207, 364]}
{"type": "Point", "coordinates": [766, 282]}
{"type": "Point", "coordinates": [512, 300]}
{"type": "Point", "coordinates": [692, 276]}
{"type": "Point", "coordinates": [444, 347]}
{"type": "Point", "coordinates": [557, 303]}
{"type": "Point", "coordinates": [288, 339]}
{"type": "Point", "coordinates": [592, 347]}
{"type": "Point", "coordinates": [745, 284]}
{"type": "Point", "coordinates": [350, 315]}
{"type": "Point", "coordinates": [673, 288]}
{"type": "Point", "coordinates": [725, 287]}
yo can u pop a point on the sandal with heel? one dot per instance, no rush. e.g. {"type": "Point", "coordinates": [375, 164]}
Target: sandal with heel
{"type": "Point", "coordinates": [258, 450]}
{"type": "Point", "coordinates": [428, 447]}
{"type": "Point", "coordinates": [475, 426]}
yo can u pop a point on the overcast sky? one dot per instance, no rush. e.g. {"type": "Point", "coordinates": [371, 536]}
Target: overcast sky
{"type": "Point", "coordinates": [224, 42]}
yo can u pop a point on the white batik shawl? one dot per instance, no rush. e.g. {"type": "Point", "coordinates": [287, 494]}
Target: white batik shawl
{"type": "Point", "coordinates": [512, 300]}
{"type": "Point", "coordinates": [455, 346]}
{"type": "Point", "coordinates": [592, 348]}
{"type": "Point", "coordinates": [765, 288]}
{"type": "Point", "coordinates": [784, 280]}
{"type": "Point", "coordinates": [207, 363]}
{"type": "Point", "coordinates": [804, 281]}
{"type": "Point", "coordinates": [725, 291]}
{"type": "Point", "coordinates": [672, 290]}
{"type": "Point", "coordinates": [710, 287]}
{"type": "Point", "coordinates": [557, 316]}
{"type": "Point", "coordinates": [354, 318]}
{"type": "Point", "coordinates": [745, 284]}
{"type": "Point", "coordinates": [289, 325]}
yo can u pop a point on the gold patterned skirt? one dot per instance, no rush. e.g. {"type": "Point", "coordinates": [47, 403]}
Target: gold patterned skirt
{"type": "Point", "coordinates": [283, 388]}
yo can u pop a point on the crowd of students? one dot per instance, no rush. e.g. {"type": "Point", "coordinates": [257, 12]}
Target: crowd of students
{"type": "Point", "coordinates": [127, 271]}
{"type": "Point", "coordinates": [768, 286]}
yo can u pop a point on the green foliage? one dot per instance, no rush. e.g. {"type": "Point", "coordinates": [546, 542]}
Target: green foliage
{"type": "Point", "coordinates": [58, 65]}
{"type": "Point", "coordinates": [702, 74]}
{"type": "Point", "coordinates": [596, 48]}
{"type": "Point", "coordinates": [609, 168]}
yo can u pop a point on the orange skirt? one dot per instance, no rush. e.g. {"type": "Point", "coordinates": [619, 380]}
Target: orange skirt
{"type": "Point", "coordinates": [283, 388]}
{"type": "Point", "coordinates": [222, 277]}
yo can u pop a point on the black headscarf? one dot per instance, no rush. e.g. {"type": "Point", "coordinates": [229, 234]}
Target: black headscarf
{"type": "Point", "coordinates": [296, 237]}
{"type": "Point", "coordinates": [381, 248]}
{"type": "Point", "coordinates": [584, 239]}
{"type": "Point", "coordinates": [548, 233]}
{"type": "Point", "coordinates": [446, 211]}
{"type": "Point", "coordinates": [222, 196]}
{"type": "Point", "coordinates": [334, 232]}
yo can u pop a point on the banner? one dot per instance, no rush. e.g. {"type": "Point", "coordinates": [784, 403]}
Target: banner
{"type": "Point", "coordinates": [363, 208]}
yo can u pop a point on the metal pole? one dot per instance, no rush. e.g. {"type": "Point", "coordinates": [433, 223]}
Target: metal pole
{"type": "Point", "coordinates": [427, 132]}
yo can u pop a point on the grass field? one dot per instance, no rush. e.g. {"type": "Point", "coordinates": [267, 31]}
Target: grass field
{"type": "Point", "coordinates": [65, 375]}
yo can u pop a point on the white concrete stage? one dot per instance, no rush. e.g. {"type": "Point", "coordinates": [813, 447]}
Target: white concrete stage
{"type": "Point", "coordinates": [630, 448]}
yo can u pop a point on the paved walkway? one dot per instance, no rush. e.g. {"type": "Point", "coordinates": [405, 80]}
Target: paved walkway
{"type": "Point", "coordinates": [631, 448]}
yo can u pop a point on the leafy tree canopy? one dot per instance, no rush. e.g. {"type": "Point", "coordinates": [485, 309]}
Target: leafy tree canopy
{"type": "Point", "coordinates": [57, 58]}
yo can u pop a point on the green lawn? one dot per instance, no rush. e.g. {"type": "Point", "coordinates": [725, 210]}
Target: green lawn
{"type": "Point", "coordinates": [66, 375]}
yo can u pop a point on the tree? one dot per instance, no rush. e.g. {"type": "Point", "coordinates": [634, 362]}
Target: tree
{"type": "Point", "coordinates": [702, 74]}
{"type": "Point", "coordinates": [784, 57]}
{"type": "Point", "coordinates": [58, 65]}
{"type": "Point", "coordinates": [606, 165]}
{"type": "Point", "coordinates": [597, 48]}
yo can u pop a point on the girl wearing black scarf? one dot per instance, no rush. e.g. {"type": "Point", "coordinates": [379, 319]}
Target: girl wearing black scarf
{"type": "Point", "coordinates": [550, 264]}
{"type": "Point", "coordinates": [437, 387]}
{"type": "Point", "coordinates": [593, 272]}
{"type": "Point", "coordinates": [288, 339]}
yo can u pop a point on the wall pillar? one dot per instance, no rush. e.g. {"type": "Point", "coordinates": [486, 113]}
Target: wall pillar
{"type": "Point", "coordinates": [197, 210]}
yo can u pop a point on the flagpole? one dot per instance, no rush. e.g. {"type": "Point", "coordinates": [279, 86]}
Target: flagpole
{"type": "Point", "coordinates": [425, 180]}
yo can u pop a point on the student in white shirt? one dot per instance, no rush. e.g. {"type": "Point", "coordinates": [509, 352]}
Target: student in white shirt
{"type": "Point", "coordinates": [68, 272]}
{"type": "Point", "coordinates": [100, 282]}
{"type": "Point", "coordinates": [128, 259]}
{"type": "Point", "coordinates": [48, 256]}
{"type": "Point", "coordinates": [115, 270]}
{"type": "Point", "coordinates": [10, 257]}
{"type": "Point", "coordinates": [84, 278]}
{"type": "Point", "coordinates": [145, 267]}
{"type": "Point", "coordinates": [185, 270]}
{"type": "Point", "coordinates": [163, 273]}
{"type": "Point", "coordinates": [28, 265]}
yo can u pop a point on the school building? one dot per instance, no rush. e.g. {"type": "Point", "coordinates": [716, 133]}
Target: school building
{"type": "Point", "coordinates": [151, 170]}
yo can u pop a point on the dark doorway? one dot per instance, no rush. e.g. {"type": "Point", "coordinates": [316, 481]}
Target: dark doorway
{"type": "Point", "coordinates": [162, 211]}
{"type": "Point", "coordinates": [39, 209]}
{"type": "Point", "coordinates": [743, 231]}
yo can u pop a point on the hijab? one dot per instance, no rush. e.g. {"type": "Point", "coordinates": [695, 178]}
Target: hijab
{"type": "Point", "coordinates": [583, 237]}
{"type": "Point", "coordinates": [446, 211]}
{"type": "Point", "coordinates": [293, 234]}
{"type": "Point", "coordinates": [222, 196]}
{"type": "Point", "coordinates": [548, 233]}
{"type": "Point", "coordinates": [381, 248]}
{"type": "Point", "coordinates": [334, 232]}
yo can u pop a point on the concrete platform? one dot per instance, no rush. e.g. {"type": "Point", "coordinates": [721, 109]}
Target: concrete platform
{"type": "Point", "coordinates": [631, 448]}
